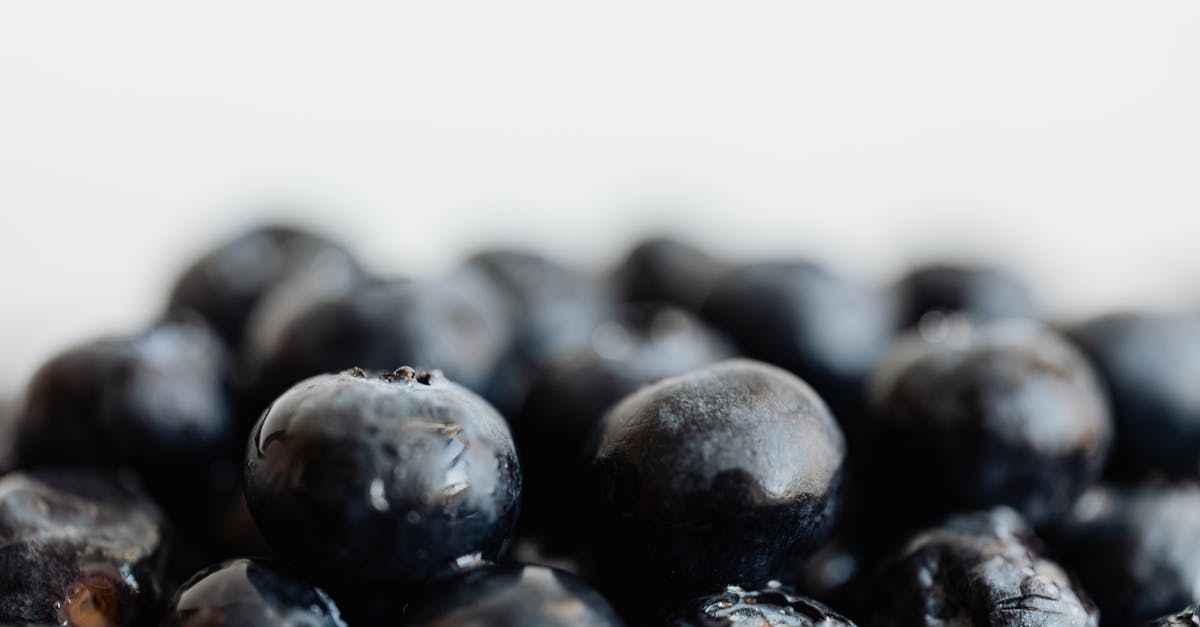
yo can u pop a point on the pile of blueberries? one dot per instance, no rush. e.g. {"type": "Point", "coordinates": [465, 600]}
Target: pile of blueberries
{"type": "Point", "coordinates": [683, 441]}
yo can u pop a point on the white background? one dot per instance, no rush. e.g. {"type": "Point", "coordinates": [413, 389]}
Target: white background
{"type": "Point", "coordinates": [1060, 137]}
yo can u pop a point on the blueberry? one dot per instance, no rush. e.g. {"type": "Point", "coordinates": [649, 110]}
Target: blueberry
{"type": "Point", "coordinates": [983, 568]}
{"type": "Point", "coordinates": [226, 283]}
{"type": "Point", "coordinates": [157, 401]}
{"type": "Point", "coordinates": [827, 330]}
{"type": "Point", "coordinates": [710, 478]}
{"type": "Point", "coordinates": [78, 547]}
{"type": "Point", "coordinates": [552, 311]}
{"type": "Point", "coordinates": [1137, 550]}
{"type": "Point", "coordinates": [386, 479]}
{"type": "Point", "coordinates": [250, 592]}
{"type": "Point", "coordinates": [1151, 363]}
{"type": "Point", "coordinates": [456, 324]}
{"type": "Point", "coordinates": [1187, 618]}
{"type": "Point", "coordinates": [667, 270]}
{"type": "Point", "coordinates": [773, 605]}
{"type": "Point", "coordinates": [982, 293]}
{"type": "Point", "coordinates": [1003, 414]}
{"type": "Point", "coordinates": [637, 346]}
{"type": "Point", "coordinates": [515, 595]}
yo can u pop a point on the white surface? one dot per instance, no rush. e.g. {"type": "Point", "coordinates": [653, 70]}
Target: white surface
{"type": "Point", "coordinates": [1062, 137]}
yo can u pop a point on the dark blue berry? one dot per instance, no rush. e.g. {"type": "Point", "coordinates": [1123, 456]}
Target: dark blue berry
{"type": "Point", "coordinates": [387, 479]}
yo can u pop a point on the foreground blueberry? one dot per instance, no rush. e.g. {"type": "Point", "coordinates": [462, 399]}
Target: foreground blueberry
{"type": "Point", "coordinates": [984, 568]}
{"type": "Point", "coordinates": [157, 401]}
{"type": "Point", "coordinates": [1151, 363]}
{"type": "Point", "coordinates": [710, 478]}
{"type": "Point", "coordinates": [772, 606]}
{"type": "Point", "coordinates": [1137, 550]}
{"type": "Point", "coordinates": [226, 283]}
{"type": "Point", "coordinates": [77, 547]}
{"type": "Point", "coordinates": [982, 293]}
{"type": "Point", "coordinates": [516, 595]}
{"type": "Point", "coordinates": [1187, 618]}
{"type": "Point", "coordinates": [249, 592]}
{"type": "Point", "coordinates": [387, 479]}
{"type": "Point", "coordinates": [1006, 414]}
{"type": "Point", "coordinates": [636, 347]}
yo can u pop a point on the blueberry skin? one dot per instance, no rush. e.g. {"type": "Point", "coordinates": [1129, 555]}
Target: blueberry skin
{"type": "Point", "coordinates": [772, 605]}
{"type": "Point", "coordinates": [1003, 414]}
{"type": "Point", "coordinates": [712, 477]}
{"type": "Point", "coordinates": [800, 317]}
{"type": "Point", "coordinates": [1150, 363]}
{"type": "Point", "coordinates": [1187, 618]}
{"type": "Point", "coordinates": [79, 545]}
{"type": "Point", "coordinates": [157, 401]}
{"type": "Point", "coordinates": [456, 324]}
{"type": "Point", "coordinates": [982, 293]}
{"type": "Point", "coordinates": [1136, 549]}
{"type": "Point", "coordinates": [637, 346]}
{"type": "Point", "coordinates": [516, 595]}
{"type": "Point", "coordinates": [981, 568]}
{"type": "Point", "coordinates": [225, 284]}
{"type": "Point", "coordinates": [552, 311]}
{"type": "Point", "coordinates": [667, 270]}
{"type": "Point", "coordinates": [249, 592]}
{"type": "Point", "coordinates": [382, 479]}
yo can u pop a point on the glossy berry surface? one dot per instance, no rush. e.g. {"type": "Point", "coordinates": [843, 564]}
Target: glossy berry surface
{"type": "Point", "coordinates": [157, 401]}
{"type": "Point", "coordinates": [772, 606]}
{"type": "Point", "coordinates": [225, 284]}
{"type": "Point", "coordinates": [709, 478]}
{"type": "Point", "coordinates": [1187, 618]}
{"type": "Point", "coordinates": [827, 330]}
{"type": "Point", "coordinates": [637, 346]}
{"type": "Point", "coordinates": [668, 270]}
{"type": "Point", "coordinates": [1006, 414]}
{"type": "Point", "coordinates": [515, 595]}
{"type": "Point", "coordinates": [984, 568]}
{"type": "Point", "coordinates": [455, 324]}
{"type": "Point", "coordinates": [979, 292]}
{"type": "Point", "coordinates": [1137, 550]}
{"type": "Point", "coordinates": [77, 546]}
{"type": "Point", "coordinates": [386, 479]}
{"type": "Point", "coordinates": [249, 592]}
{"type": "Point", "coordinates": [1150, 363]}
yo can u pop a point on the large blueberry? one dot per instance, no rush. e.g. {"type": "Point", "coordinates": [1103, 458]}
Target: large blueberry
{"type": "Point", "coordinates": [79, 547]}
{"type": "Point", "coordinates": [712, 477]}
{"type": "Point", "coordinates": [1004, 414]}
{"type": "Point", "coordinates": [983, 568]}
{"type": "Point", "coordinates": [387, 479]}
